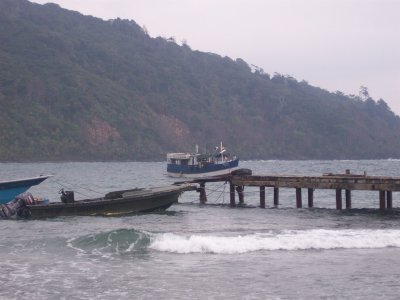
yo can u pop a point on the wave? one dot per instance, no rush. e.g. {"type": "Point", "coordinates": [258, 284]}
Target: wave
{"type": "Point", "coordinates": [124, 241]}
{"type": "Point", "coordinates": [114, 242]}
{"type": "Point", "coordinates": [319, 239]}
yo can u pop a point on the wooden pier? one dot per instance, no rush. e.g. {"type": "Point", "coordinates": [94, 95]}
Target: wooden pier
{"type": "Point", "coordinates": [341, 183]}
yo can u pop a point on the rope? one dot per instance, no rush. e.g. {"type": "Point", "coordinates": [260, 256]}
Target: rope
{"type": "Point", "coordinates": [222, 193]}
{"type": "Point", "coordinates": [72, 185]}
{"type": "Point", "coordinates": [223, 198]}
{"type": "Point", "coordinates": [216, 190]}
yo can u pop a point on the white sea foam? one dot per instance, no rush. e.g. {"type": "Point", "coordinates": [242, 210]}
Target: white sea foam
{"type": "Point", "coordinates": [285, 240]}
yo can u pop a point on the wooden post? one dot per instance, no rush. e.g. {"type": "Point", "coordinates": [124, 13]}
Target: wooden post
{"type": "Point", "coordinates": [310, 197]}
{"type": "Point", "coordinates": [338, 198]}
{"type": "Point", "coordinates": [348, 199]}
{"type": "Point", "coordinates": [389, 199]}
{"type": "Point", "coordinates": [299, 201]}
{"type": "Point", "coordinates": [276, 196]}
{"type": "Point", "coordinates": [202, 190]}
{"type": "Point", "coordinates": [232, 194]}
{"type": "Point", "coordinates": [262, 196]}
{"type": "Point", "coordinates": [382, 200]}
{"type": "Point", "coordinates": [239, 190]}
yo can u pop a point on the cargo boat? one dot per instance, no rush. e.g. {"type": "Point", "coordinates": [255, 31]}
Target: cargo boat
{"type": "Point", "coordinates": [196, 165]}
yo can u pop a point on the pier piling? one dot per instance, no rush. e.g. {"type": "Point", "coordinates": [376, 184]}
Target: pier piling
{"type": "Point", "coordinates": [389, 199]}
{"type": "Point", "coordinates": [299, 200]}
{"type": "Point", "coordinates": [310, 197]}
{"type": "Point", "coordinates": [339, 199]}
{"type": "Point", "coordinates": [348, 199]}
{"type": "Point", "coordinates": [203, 195]}
{"type": "Point", "coordinates": [382, 200]}
{"type": "Point", "coordinates": [262, 196]}
{"type": "Point", "coordinates": [239, 190]}
{"type": "Point", "coordinates": [232, 194]}
{"type": "Point", "coordinates": [276, 197]}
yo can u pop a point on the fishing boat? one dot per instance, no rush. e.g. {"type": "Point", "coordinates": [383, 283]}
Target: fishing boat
{"type": "Point", "coordinates": [138, 200]}
{"type": "Point", "coordinates": [10, 189]}
{"type": "Point", "coordinates": [196, 165]}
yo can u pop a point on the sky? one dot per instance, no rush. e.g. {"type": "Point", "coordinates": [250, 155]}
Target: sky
{"type": "Point", "coordinates": [338, 45]}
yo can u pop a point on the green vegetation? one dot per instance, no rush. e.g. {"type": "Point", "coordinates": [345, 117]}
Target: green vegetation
{"type": "Point", "coordinates": [74, 87]}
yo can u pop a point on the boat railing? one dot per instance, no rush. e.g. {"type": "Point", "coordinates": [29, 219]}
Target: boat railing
{"type": "Point", "coordinates": [178, 155]}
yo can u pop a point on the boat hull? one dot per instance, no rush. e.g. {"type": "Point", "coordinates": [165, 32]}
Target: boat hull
{"type": "Point", "coordinates": [197, 171]}
{"type": "Point", "coordinates": [10, 189]}
{"type": "Point", "coordinates": [120, 203]}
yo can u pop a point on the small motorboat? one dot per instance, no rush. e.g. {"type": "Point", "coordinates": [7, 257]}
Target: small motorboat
{"type": "Point", "coordinates": [197, 165]}
{"type": "Point", "coordinates": [138, 200]}
{"type": "Point", "coordinates": [10, 189]}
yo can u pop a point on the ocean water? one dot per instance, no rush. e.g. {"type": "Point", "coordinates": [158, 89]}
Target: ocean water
{"type": "Point", "coordinates": [211, 251]}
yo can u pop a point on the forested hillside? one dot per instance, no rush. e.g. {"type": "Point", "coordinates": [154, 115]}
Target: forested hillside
{"type": "Point", "coordinates": [75, 87]}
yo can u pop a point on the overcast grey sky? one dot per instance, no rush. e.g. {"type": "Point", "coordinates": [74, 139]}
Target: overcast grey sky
{"type": "Point", "coordinates": [333, 44]}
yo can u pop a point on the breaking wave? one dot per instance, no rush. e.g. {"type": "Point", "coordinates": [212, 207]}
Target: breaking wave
{"type": "Point", "coordinates": [285, 240]}
{"type": "Point", "coordinates": [108, 243]}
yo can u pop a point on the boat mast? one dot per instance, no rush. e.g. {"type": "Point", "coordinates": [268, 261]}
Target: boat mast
{"type": "Point", "coordinates": [222, 153]}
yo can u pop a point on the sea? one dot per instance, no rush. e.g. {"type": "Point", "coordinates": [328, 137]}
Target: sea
{"type": "Point", "coordinates": [211, 251]}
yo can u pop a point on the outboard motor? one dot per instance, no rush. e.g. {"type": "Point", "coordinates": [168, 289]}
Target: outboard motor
{"type": "Point", "coordinates": [17, 206]}
{"type": "Point", "coordinates": [67, 196]}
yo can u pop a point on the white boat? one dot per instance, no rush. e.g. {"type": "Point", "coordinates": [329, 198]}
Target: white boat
{"type": "Point", "coordinates": [196, 165]}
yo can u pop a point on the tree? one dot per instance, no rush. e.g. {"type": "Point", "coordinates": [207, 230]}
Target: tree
{"type": "Point", "coordinates": [382, 103]}
{"type": "Point", "coordinates": [364, 94]}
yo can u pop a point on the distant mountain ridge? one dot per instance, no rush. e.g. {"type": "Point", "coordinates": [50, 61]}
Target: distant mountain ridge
{"type": "Point", "coordinates": [75, 87]}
